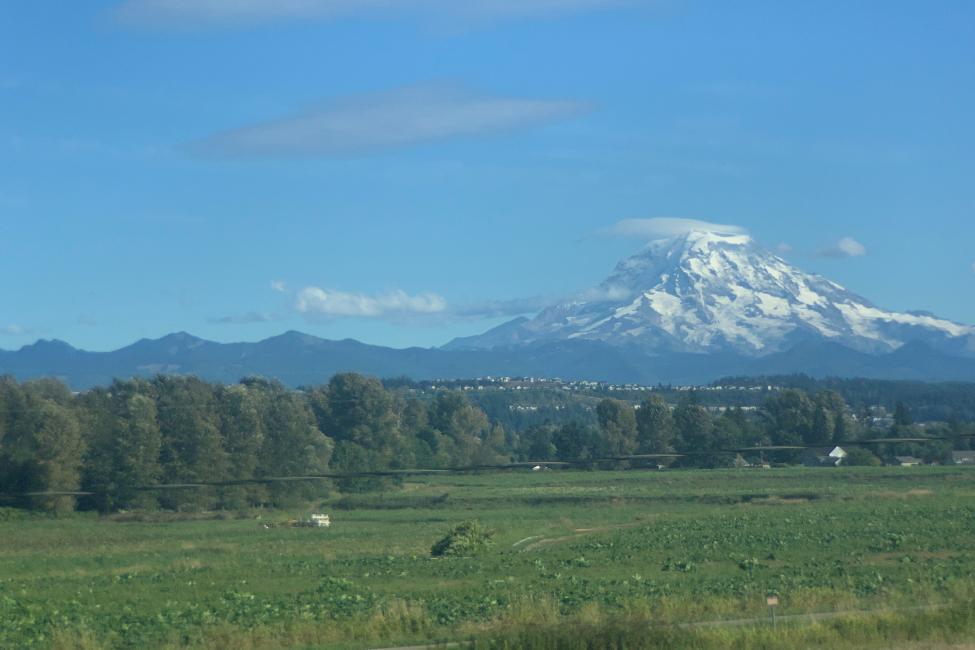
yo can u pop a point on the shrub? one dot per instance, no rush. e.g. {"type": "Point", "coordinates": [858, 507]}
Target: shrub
{"type": "Point", "coordinates": [465, 540]}
{"type": "Point", "coordinates": [858, 456]}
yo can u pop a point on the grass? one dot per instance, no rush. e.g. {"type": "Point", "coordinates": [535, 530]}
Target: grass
{"type": "Point", "coordinates": [577, 556]}
{"type": "Point", "coordinates": [641, 630]}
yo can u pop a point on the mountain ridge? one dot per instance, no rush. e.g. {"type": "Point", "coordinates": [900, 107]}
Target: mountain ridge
{"type": "Point", "coordinates": [303, 359]}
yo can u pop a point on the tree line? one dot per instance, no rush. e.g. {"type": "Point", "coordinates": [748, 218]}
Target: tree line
{"type": "Point", "coordinates": [174, 430]}
{"type": "Point", "coordinates": [182, 430]}
{"type": "Point", "coordinates": [948, 401]}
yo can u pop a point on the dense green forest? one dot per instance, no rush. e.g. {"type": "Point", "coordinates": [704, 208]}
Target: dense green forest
{"type": "Point", "coordinates": [115, 440]}
{"type": "Point", "coordinates": [928, 401]}
{"type": "Point", "coordinates": [555, 401]}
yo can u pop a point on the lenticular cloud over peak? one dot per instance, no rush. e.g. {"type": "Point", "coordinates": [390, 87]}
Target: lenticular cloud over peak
{"type": "Point", "coordinates": [667, 227]}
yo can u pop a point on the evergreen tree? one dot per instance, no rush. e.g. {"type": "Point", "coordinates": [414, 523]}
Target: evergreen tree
{"type": "Point", "coordinates": [358, 409]}
{"type": "Point", "coordinates": [902, 415]}
{"type": "Point", "coordinates": [617, 425]}
{"type": "Point", "coordinates": [844, 427]}
{"type": "Point", "coordinates": [790, 415]}
{"type": "Point", "coordinates": [695, 433]}
{"type": "Point", "coordinates": [575, 441]}
{"type": "Point", "coordinates": [357, 413]}
{"type": "Point", "coordinates": [293, 446]}
{"type": "Point", "coordinates": [491, 448]}
{"type": "Point", "coordinates": [58, 452]}
{"type": "Point", "coordinates": [655, 426]}
{"type": "Point", "coordinates": [694, 428]}
{"type": "Point", "coordinates": [821, 429]}
{"type": "Point", "coordinates": [464, 424]}
{"type": "Point", "coordinates": [13, 408]}
{"type": "Point", "coordinates": [731, 430]}
{"type": "Point", "coordinates": [537, 444]}
{"type": "Point", "coordinates": [192, 448]}
{"type": "Point", "coordinates": [124, 443]}
{"type": "Point", "coordinates": [42, 451]}
{"type": "Point", "coordinates": [242, 429]}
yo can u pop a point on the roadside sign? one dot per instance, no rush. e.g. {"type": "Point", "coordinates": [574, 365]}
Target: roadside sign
{"type": "Point", "coordinates": [772, 602]}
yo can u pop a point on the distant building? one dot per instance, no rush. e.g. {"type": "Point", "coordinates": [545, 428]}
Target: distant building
{"type": "Point", "coordinates": [963, 457]}
{"type": "Point", "coordinates": [905, 461]}
{"type": "Point", "coordinates": [751, 463]}
{"type": "Point", "coordinates": [823, 457]}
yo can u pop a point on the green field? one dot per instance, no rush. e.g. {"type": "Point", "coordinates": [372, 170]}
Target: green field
{"type": "Point", "coordinates": [576, 553]}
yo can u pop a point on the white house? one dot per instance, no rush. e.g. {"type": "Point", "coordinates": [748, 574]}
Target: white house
{"type": "Point", "coordinates": [824, 456]}
{"type": "Point", "coordinates": [320, 521]}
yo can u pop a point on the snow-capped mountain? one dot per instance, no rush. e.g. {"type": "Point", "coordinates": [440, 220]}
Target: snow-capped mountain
{"type": "Point", "coordinates": [686, 310]}
{"type": "Point", "coordinates": [709, 292]}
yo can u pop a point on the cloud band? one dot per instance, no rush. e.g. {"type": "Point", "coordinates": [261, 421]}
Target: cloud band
{"type": "Point", "coordinates": [397, 118]}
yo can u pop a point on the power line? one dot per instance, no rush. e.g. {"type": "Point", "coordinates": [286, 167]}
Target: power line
{"type": "Point", "coordinates": [394, 473]}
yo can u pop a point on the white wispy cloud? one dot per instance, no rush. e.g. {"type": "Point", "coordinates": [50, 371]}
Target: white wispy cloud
{"type": "Point", "coordinates": [845, 247]}
{"type": "Point", "coordinates": [604, 292]}
{"type": "Point", "coordinates": [202, 14]}
{"type": "Point", "coordinates": [315, 301]}
{"type": "Point", "coordinates": [13, 329]}
{"type": "Point", "coordinates": [661, 227]}
{"type": "Point", "coordinates": [396, 118]}
{"type": "Point", "coordinates": [246, 318]}
{"type": "Point", "coordinates": [499, 308]}
{"type": "Point", "coordinates": [783, 248]}
{"type": "Point", "coordinates": [279, 285]}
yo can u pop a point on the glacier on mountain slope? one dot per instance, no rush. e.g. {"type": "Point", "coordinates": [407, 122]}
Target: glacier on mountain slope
{"type": "Point", "coordinates": [709, 292]}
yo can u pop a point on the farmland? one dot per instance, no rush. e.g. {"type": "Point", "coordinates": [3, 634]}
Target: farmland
{"type": "Point", "coordinates": [610, 549]}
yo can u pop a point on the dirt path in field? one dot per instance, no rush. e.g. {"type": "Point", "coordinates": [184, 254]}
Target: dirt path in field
{"type": "Point", "coordinates": [450, 644]}
{"type": "Point", "coordinates": [539, 541]}
{"type": "Point", "coordinates": [740, 622]}
{"type": "Point", "coordinates": [803, 618]}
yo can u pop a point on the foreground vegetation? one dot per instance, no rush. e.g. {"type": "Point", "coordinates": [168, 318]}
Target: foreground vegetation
{"type": "Point", "coordinates": [612, 559]}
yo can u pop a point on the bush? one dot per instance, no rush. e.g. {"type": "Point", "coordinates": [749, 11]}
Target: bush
{"type": "Point", "coordinates": [465, 540]}
{"type": "Point", "coordinates": [13, 514]}
{"type": "Point", "coordinates": [858, 456]}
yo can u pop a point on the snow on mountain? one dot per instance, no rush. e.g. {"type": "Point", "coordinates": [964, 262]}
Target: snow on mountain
{"type": "Point", "coordinates": [708, 292]}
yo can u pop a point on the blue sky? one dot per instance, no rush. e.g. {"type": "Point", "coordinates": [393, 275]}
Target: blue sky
{"type": "Point", "coordinates": [407, 171]}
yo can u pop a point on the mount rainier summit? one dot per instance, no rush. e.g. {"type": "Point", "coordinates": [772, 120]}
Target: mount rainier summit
{"type": "Point", "coordinates": [704, 292]}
